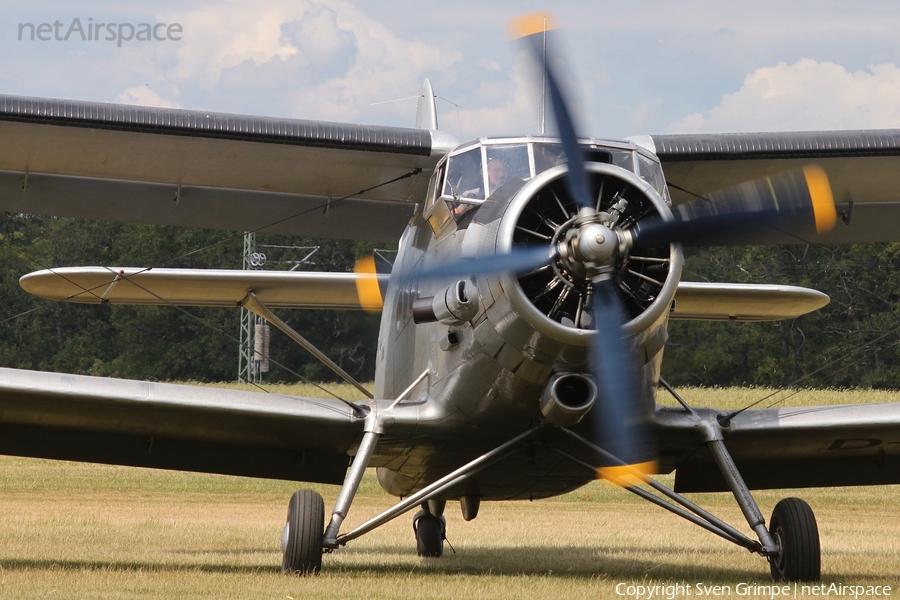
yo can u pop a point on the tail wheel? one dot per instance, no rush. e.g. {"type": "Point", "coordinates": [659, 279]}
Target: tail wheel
{"type": "Point", "coordinates": [301, 539]}
{"type": "Point", "coordinates": [794, 527]}
{"type": "Point", "coordinates": [430, 534]}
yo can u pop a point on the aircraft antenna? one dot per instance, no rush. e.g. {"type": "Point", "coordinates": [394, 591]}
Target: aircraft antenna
{"type": "Point", "coordinates": [544, 82]}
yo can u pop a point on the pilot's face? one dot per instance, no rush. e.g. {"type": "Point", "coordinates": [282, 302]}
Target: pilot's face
{"type": "Point", "coordinates": [496, 173]}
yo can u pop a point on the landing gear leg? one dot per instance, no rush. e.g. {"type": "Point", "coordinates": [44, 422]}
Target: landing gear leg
{"type": "Point", "coordinates": [304, 536]}
{"type": "Point", "coordinates": [301, 538]}
{"type": "Point", "coordinates": [791, 542]}
{"type": "Point", "coordinates": [794, 527]}
{"type": "Point", "coordinates": [351, 484]}
{"type": "Point", "coordinates": [430, 530]}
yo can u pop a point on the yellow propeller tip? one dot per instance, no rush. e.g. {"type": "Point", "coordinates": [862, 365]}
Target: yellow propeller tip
{"type": "Point", "coordinates": [821, 197]}
{"type": "Point", "coordinates": [367, 287]}
{"type": "Point", "coordinates": [530, 24]}
{"type": "Point", "coordinates": [627, 475]}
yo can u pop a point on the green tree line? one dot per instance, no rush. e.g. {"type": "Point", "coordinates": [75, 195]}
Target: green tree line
{"type": "Point", "coordinates": [851, 342]}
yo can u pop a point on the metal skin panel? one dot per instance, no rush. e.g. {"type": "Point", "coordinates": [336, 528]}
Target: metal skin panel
{"type": "Point", "coordinates": [194, 287]}
{"type": "Point", "coordinates": [862, 166]}
{"type": "Point", "coordinates": [743, 302]}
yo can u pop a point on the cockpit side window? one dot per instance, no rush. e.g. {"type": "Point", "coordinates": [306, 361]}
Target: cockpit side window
{"type": "Point", "coordinates": [464, 178]}
{"type": "Point", "coordinates": [505, 163]}
{"type": "Point", "coordinates": [651, 172]}
{"type": "Point", "coordinates": [434, 186]}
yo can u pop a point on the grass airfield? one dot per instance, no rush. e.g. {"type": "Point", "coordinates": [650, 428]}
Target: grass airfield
{"type": "Point", "coordinates": [72, 530]}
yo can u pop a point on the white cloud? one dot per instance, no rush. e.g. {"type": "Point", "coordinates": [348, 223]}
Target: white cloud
{"type": "Point", "coordinates": [320, 59]}
{"type": "Point", "coordinates": [806, 95]}
{"type": "Point", "coordinates": [504, 104]}
{"type": "Point", "coordinates": [144, 96]}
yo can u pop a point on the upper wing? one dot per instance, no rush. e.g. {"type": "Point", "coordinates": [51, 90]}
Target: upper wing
{"type": "Point", "coordinates": [862, 166]}
{"type": "Point", "coordinates": [814, 446]}
{"type": "Point", "coordinates": [138, 423]}
{"type": "Point", "coordinates": [193, 168]}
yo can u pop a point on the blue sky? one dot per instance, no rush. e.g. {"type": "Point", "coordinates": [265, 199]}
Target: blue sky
{"type": "Point", "coordinates": [648, 67]}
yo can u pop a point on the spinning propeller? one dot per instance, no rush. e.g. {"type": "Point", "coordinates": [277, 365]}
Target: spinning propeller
{"type": "Point", "coordinates": [799, 202]}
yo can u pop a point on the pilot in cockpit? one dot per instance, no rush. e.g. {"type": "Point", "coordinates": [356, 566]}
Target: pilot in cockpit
{"type": "Point", "coordinates": [504, 163]}
{"type": "Point", "coordinates": [498, 174]}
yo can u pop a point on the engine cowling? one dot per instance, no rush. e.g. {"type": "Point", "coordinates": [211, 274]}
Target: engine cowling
{"type": "Point", "coordinates": [552, 299]}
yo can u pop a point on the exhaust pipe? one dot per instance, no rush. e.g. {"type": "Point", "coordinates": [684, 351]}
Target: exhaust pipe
{"type": "Point", "coordinates": [567, 398]}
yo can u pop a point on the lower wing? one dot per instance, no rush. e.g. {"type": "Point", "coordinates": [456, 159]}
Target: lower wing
{"type": "Point", "coordinates": [813, 446]}
{"type": "Point", "coordinates": [182, 427]}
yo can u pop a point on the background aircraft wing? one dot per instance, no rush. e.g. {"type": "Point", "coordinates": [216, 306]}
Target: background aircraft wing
{"type": "Point", "coordinates": [204, 169]}
{"type": "Point", "coordinates": [814, 446]}
{"type": "Point", "coordinates": [862, 166]}
{"type": "Point", "coordinates": [191, 428]}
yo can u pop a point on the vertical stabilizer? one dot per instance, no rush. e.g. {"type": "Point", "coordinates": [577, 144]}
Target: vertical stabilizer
{"type": "Point", "coordinates": [426, 113]}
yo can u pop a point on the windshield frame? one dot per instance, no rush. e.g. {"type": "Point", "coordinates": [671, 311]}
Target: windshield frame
{"type": "Point", "coordinates": [625, 154]}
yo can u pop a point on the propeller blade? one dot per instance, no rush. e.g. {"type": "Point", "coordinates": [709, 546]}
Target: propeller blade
{"type": "Point", "coordinates": [798, 202]}
{"type": "Point", "coordinates": [371, 283]}
{"type": "Point", "coordinates": [618, 423]}
{"type": "Point", "coordinates": [533, 29]}
{"type": "Point", "coordinates": [520, 260]}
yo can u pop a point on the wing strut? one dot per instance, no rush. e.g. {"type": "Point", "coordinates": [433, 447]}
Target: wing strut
{"type": "Point", "coordinates": [253, 304]}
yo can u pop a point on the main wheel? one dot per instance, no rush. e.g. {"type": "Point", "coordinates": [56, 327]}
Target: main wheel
{"type": "Point", "coordinates": [430, 534]}
{"type": "Point", "coordinates": [301, 539]}
{"type": "Point", "coordinates": [794, 527]}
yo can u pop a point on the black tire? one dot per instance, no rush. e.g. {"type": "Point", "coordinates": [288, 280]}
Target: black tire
{"type": "Point", "coordinates": [794, 526]}
{"type": "Point", "coordinates": [430, 534]}
{"type": "Point", "coordinates": [301, 540]}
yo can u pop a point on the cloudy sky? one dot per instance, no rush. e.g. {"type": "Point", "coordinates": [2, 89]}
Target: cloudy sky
{"type": "Point", "coordinates": [636, 67]}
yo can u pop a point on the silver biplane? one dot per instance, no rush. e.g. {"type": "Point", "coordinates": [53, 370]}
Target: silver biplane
{"type": "Point", "coordinates": [523, 320]}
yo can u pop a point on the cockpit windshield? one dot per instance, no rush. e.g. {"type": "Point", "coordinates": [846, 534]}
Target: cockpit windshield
{"type": "Point", "coordinates": [505, 163]}
{"type": "Point", "coordinates": [474, 172]}
{"type": "Point", "coordinates": [547, 156]}
{"type": "Point", "coordinates": [464, 178]}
